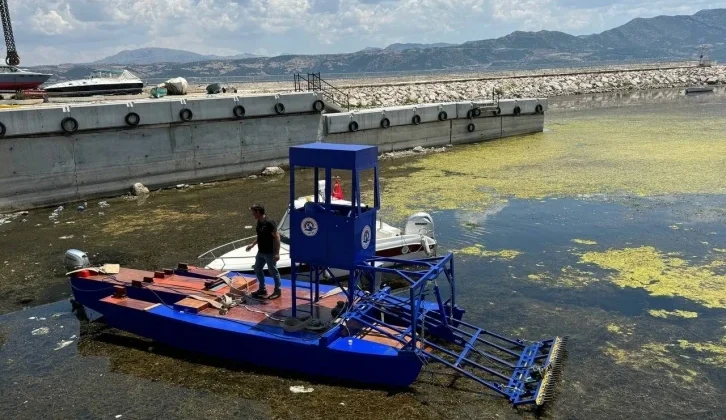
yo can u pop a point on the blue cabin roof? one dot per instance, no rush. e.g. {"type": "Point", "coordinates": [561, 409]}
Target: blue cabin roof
{"type": "Point", "coordinates": [334, 156]}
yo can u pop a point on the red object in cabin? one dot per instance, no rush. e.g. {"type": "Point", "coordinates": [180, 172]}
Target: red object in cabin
{"type": "Point", "coordinates": [337, 190]}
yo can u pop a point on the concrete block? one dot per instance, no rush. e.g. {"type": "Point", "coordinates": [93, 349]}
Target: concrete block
{"type": "Point", "coordinates": [27, 121]}
{"type": "Point", "coordinates": [99, 116]}
{"type": "Point", "coordinates": [522, 124]}
{"type": "Point", "coordinates": [398, 138]}
{"type": "Point", "coordinates": [397, 116]}
{"type": "Point", "coordinates": [507, 106]}
{"type": "Point", "coordinates": [153, 111]}
{"type": "Point", "coordinates": [463, 108]}
{"type": "Point", "coordinates": [484, 129]}
{"type": "Point", "coordinates": [35, 171]}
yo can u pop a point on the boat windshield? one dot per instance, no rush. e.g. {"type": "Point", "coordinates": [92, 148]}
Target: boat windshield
{"type": "Point", "coordinates": [284, 228]}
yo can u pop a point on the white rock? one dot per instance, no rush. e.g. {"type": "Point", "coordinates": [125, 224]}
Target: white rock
{"type": "Point", "coordinates": [273, 170]}
{"type": "Point", "coordinates": [140, 189]}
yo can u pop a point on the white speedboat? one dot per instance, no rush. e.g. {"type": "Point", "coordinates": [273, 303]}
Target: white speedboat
{"type": "Point", "coordinates": [417, 240]}
{"type": "Point", "coordinates": [100, 82]}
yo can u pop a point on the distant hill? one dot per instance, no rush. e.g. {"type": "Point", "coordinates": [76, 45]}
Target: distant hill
{"type": "Point", "coordinates": [403, 47]}
{"type": "Point", "coordinates": [163, 55]}
{"type": "Point", "coordinates": [660, 38]}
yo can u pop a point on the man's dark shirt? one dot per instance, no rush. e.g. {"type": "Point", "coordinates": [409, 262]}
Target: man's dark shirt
{"type": "Point", "coordinates": [265, 239]}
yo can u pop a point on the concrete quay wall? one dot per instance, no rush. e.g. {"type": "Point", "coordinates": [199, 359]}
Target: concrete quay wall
{"type": "Point", "coordinates": [100, 153]}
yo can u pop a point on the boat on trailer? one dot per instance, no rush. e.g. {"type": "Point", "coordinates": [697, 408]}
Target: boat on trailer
{"type": "Point", "coordinates": [416, 240]}
{"type": "Point", "coordinates": [358, 331]}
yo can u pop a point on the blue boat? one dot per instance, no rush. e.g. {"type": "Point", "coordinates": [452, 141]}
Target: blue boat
{"type": "Point", "coordinates": [360, 330]}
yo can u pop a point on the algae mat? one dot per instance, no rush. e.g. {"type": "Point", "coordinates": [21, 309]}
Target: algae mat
{"type": "Point", "coordinates": [610, 153]}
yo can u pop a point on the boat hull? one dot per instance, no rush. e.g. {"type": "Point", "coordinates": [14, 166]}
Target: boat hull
{"type": "Point", "coordinates": [331, 356]}
{"type": "Point", "coordinates": [25, 82]}
{"type": "Point", "coordinates": [89, 90]}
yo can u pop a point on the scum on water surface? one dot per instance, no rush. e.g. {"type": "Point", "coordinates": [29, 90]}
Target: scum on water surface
{"type": "Point", "coordinates": [583, 156]}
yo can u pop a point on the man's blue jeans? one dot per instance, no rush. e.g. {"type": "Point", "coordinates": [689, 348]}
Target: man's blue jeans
{"type": "Point", "coordinates": [260, 261]}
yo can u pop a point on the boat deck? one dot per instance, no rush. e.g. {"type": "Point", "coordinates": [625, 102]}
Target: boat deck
{"type": "Point", "coordinates": [187, 290]}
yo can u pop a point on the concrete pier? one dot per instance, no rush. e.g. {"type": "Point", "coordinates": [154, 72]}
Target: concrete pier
{"type": "Point", "coordinates": [54, 154]}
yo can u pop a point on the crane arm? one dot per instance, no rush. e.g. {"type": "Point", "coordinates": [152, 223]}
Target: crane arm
{"type": "Point", "coordinates": [12, 59]}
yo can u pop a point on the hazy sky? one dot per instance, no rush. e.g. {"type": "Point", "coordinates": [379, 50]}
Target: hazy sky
{"type": "Point", "coordinates": [55, 31]}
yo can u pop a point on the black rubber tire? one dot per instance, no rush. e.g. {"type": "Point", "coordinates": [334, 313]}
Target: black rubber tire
{"type": "Point", "coordinates": [517, 110]}
{"type": "Point", "coordinates": [471, 127]}
{"type": "Point", "coordinates": [416, 119]}
{"type": "Point", "coordinates": [133, 119]}
{"type": "Point", "coordinates": [3, 130]}
{"type": "Point", "coordinates": [498, 111]}
{"type": "Point", "coordinates": [318, 106]}
{"type": "Point", "coordinates": [238, 111]}
{"type": "Point", "coordinates": [538, 109]}
{"type": "Point", "coordinates": [66, 120]}
{"type": "Point", "coordinates": [186, 114]}
{"type": "Point", "coordinates": [443, 116]}
{"type": "Point", "coordinates": [476, 112]}
{"type": "Point", "coordinates": [279, 108]}
{"type": "Point", "coordinates": [353, 126]}
{"type": "Point", "coordinates": [469, 114]}
{"type": "Point", "coordinates": [385, 123]}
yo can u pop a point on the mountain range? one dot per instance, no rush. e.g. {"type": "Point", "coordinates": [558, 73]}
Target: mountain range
{"type": "Point", "coordinates": [661, 38]}
{"type": "Point", "coordinates": [164, 55]}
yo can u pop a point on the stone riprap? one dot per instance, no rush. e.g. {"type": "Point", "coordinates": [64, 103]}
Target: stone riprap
{"type": "Point", "coordinates": [533, 86]}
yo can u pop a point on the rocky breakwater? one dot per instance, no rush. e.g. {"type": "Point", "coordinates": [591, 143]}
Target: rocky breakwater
{"type": "Point", "coordinates": [532, 86]}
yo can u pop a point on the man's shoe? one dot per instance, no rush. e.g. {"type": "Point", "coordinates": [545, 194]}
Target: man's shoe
{"type": "Point", "coordinates": [275, 294]}
{"type": "Point", "coordinates": [259, 293]}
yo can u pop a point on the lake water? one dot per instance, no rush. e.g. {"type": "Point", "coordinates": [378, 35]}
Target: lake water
{"type": "Point", "coordinates": [609, 227]}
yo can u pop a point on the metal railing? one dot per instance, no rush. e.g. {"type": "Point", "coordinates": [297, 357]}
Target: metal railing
{"type": "Point", "coordinates": [314, 83]}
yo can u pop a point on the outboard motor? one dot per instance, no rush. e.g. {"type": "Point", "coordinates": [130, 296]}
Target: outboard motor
{"type": "Point", "coordinates": [419, 224]}
{"type": "Point", "coordinates": [75, 259]}
{"type": "Point", "coordinates": [422, 224]}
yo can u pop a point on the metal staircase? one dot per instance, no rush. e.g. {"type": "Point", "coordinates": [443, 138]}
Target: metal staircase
{"type": "Point", "coordinates": [312, 82]}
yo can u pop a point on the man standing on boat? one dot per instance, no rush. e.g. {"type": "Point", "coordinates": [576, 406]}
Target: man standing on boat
{"type": "Point", "coordinates": [268, 251]}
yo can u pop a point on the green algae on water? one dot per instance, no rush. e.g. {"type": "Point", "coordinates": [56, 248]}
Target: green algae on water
{"type": "Point", "coordinates": [661, 275]}
{"type": "Point", "coordinates": [611, 154]}
{"type": "Point", "coordinates": [478, 250]}
{"type": "Point", "coordinates": [568, 277]}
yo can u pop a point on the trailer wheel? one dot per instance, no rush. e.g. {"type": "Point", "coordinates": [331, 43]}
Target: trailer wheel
{"type": "Point", "coordinates": [3, 130]}
{"type": "Point", "coordinates": [132, 119]}
{"type": "Point", "coordinates": [443, 116]}
{"type": "Point", "coordinates": [186, 114]}
{"type": "Point", "coordinates": [69, 125]}
{"type": "Point", "coordinates": [353, 126]}
{"type": "Point", "coordinates": [476, 112]}
{"type": "Point", "coordinates": [416, 119]}
{"type": "Point", "coordinates": [470, 128]}
{"type": "Point", "coordinates": [538, 109]}
{"type": "Point", "coordinates": [279, 108]}
{"type": "Point", "coordinates": [238, 111]}
{"type": "Point", "coordinates": [385, 123]}
{"type": "Point", "coordinates": [517, 110]}
{"type": "Point", "coordinates": [498, 111]}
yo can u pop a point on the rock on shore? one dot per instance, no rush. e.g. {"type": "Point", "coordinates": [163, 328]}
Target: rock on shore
{"type": "Point", "coordinates": [534, 86]}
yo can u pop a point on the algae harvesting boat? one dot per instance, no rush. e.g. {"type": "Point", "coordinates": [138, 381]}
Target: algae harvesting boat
{"type": "Point", "coordinates": [361, 331]}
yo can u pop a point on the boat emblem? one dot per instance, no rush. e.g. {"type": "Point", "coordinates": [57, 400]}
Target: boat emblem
{"type": "Point", "coordinates": [309, 226]}
{"type": "Point", "coordinates": [365, 237]}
